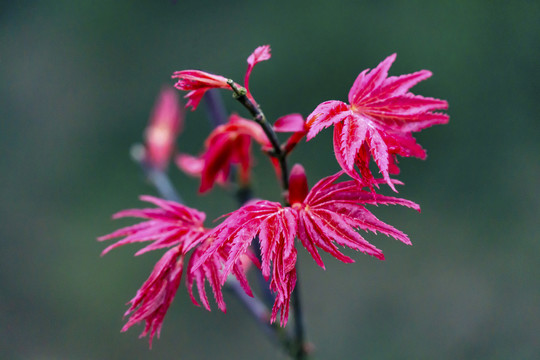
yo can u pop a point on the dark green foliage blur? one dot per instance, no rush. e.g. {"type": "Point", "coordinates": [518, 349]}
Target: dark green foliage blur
{"type": "Point", "coordinates": [78, 80]}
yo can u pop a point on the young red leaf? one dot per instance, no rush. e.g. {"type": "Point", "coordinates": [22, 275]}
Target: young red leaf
{"type": "Point", "coordinates": [227, 145]}
{"type": "Point", "coordinates": [261, 53]}
{"type": "Point", "coordinates": [322, 218]}
{"type": "Point", "coordinates": [379, 120]}
{"type": "Point", "coordinates": [198, 83]}
{"type": "Point", "coordinates": [181, 229]}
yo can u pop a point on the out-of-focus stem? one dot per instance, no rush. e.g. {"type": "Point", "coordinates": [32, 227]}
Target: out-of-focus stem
{"type": "Point", "coordinates": [267, 295]}
{"type": "Point", "coordinates": [300, 345]}
{"type": "Point", "coordinates": [157, 177]}
{"type": "Point", "coordinates": [215, 108]}
{"type": "Point", "coordinates": [262, 316]}
{"type": "Point", "coordinates": [258, 310]}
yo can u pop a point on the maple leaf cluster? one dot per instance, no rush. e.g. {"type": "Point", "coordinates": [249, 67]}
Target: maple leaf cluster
{"type": "Point", "coordinates": [377, 124]}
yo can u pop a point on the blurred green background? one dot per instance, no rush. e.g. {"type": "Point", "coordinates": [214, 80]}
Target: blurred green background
{"type": "Point", "coordinates": [78, 80]}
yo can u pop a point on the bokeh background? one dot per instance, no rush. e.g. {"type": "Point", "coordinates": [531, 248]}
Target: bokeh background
{"type": "Point", "coordinates": [77, 83]}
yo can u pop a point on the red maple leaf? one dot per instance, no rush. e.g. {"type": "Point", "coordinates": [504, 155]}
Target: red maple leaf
{"type": "Point", "coordinates": [181, 229]}
{"type": "Point", "coordinates": [322, 218]}
{"type": "Point", "coordinates": [227, 145]}
{"type": "Point", "coordinates": [379, 121]}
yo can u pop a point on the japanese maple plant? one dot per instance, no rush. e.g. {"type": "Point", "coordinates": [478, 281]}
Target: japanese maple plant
{"type": "Point", "coordinates": [261, 235]}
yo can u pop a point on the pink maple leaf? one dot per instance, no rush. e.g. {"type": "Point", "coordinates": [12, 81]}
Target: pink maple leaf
{"type": "Point", "coordinates": [228, 144]}
{"type": "Point", "coordinates": [321, 218]}
{"type": "Point", "coordinates": [181, 229]}
{"type": "Point", "coordinates": [379, 121]}
{"type": "Point", "coordinates": [197, 82]}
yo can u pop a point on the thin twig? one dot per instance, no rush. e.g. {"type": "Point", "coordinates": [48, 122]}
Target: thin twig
{"type": "Point", "coordinates": [297, 349]}
{"type": "Point", "coordinates": [258, 116]}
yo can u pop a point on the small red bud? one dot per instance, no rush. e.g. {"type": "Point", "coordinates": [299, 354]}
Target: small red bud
{"type": "Point", "coordinates": [298, 187]}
